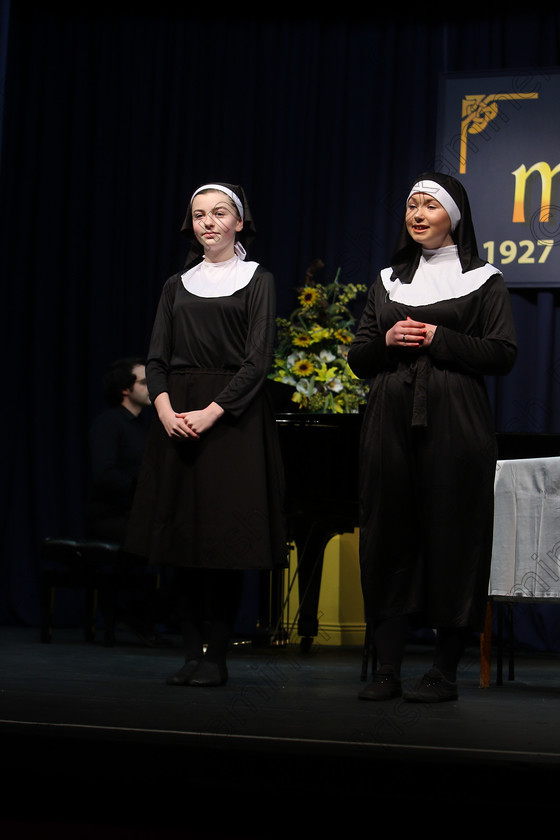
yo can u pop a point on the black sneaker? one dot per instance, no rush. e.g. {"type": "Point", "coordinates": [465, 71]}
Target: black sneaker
{"type": "Point", "coordinates": [384, 686]}
{"type": "Point", "coordinates": [432, 688]}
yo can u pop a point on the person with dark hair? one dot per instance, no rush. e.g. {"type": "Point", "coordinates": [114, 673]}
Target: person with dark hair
{"type": "Point", "coordinates": [209, 500]}
{"type": "Point", "coordinates": [117, 438]}
{"type": "Point", "coordinates": [126, 375]}
{"type": "Point", "coordinates": [436, 322]}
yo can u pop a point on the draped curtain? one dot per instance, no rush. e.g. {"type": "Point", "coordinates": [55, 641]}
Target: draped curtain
{"type": "Point", "coordinates": [111, 117]}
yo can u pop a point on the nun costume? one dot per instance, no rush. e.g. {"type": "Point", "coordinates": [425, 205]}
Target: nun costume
{"type": "Point", "coordinates": [212, 507]}
{"type": "Point", "coordinates": [427, 448]}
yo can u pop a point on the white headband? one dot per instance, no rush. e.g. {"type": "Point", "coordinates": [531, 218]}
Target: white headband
{"type": "Point", "coordinates": [441, 194]}
{"type": "Point", "coordinates": [225, 190]}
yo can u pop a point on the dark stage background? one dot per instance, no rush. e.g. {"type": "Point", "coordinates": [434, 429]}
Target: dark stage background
{"type": "Point", "coordinates": [110, 117]}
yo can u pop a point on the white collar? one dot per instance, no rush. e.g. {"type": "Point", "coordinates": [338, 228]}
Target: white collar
{"type": "Point", "coordinates": [438, 277]}
{"type": "Point", "coordinates": [221, 279]}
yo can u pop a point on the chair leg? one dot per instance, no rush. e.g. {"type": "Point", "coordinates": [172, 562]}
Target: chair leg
{"type": "Point", "coordinates": [500, 646]}
{"type": "Point", "coordinates": [47, 605]}
{"type": "Point", "coordinates": [511, 671]}
{"type": "Point", "coordinates": [90, 611]}
{"type": "Point", "coordinates": [486, 648]}
{"type": "Point", "coordinates": [109, 606]}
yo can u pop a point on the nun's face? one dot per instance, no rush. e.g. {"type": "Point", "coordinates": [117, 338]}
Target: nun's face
{"type": "Point", "coordinates": [215, 224]}
{"type": "Point", "coordinates": [428, 222]}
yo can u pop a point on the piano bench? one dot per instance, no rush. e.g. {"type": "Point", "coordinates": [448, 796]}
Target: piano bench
{"type": "Point", "coordinates": [99, 568]}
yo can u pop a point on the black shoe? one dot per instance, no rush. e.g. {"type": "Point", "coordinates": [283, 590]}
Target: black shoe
{"type": "Point", "coordinates": [384, 686]}
{"type": "Point", "coordinates": [209, 674]}
{"type": "Point", "coordinates": [432, 688]}
{"type": "Point", "coordinates": [183, 676]}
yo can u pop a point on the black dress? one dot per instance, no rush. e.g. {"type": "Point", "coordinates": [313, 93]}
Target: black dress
{"type": "Point", "coordinates": [428, 455]}
{"type": "Point", "coordinates": [217, 502]}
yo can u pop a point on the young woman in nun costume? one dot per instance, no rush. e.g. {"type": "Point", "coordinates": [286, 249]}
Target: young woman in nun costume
{"type": "Point", "coordinates": [209, 499]}
{"type": "Point", "coordinates": [436, 322]}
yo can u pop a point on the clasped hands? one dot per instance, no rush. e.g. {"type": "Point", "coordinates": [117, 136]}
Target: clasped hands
{"type": "Point", "coordinates": [410, 333]}
{"type": "Point", "coordinates": [187, 424]}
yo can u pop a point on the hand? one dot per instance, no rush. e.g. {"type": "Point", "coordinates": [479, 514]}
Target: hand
{"type": "Point", "coordinates": [430, 332]}
{"type": "Point", "coordinates": [407, 333]}
{"type": "Point", "coordinates": [172, 422]}
{"type": "Point", "coordinates": [199, 421]}
{"type": "Point", "coordinates": [174, 425]}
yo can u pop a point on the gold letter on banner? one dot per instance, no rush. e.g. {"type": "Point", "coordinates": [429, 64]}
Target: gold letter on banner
{"type": "Point", "coordinates": [477, 111]}
{"type": "Point", "coordinates": [521, 175]}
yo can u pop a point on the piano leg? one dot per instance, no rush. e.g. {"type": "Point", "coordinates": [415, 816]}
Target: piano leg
{"type": "Point", "coordinates": [368, 652]}
{"type": "Point", "coordinates": [311, 542]}
{"type": "Point", "coordinates": [271, 604]}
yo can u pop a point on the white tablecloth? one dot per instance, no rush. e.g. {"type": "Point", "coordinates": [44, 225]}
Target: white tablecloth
{"type": "Point", "coordinates": [526, 549]}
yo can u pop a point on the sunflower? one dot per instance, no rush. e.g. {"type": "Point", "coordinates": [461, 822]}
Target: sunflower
{"type": "Point", "coordinates": [344, 336]}
{"type": "Point", "coordinates": [301, 339]}
{"type": "Point", "coordinates": [309, 296]}
{"type": "Point", "coordinates": [303, 367]}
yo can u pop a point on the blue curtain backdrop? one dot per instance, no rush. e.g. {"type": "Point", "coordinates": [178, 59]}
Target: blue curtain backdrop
{"type": "Point", "coordinates": [111, 116]}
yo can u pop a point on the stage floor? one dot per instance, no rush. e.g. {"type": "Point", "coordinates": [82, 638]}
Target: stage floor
{"type": "Point", "coordinates": [93, 738]}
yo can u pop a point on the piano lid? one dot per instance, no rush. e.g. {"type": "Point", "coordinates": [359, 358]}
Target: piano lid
{"type": "Point", "coordinates": [295, 418]}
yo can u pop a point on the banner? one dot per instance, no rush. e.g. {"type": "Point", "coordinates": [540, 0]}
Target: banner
{"type": "Point", "coordinates": [500, 136]}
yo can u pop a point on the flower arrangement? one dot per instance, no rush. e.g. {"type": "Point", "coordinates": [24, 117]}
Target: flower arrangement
{"type": "Point", "coordinates": [312, 349]}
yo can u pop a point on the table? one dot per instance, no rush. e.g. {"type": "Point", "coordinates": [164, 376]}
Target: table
{"type": "Point", "coordinates": [526, 547]}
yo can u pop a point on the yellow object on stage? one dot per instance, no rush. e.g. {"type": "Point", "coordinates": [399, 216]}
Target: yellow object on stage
{"type": "Point", "coordinates": [341, 610]}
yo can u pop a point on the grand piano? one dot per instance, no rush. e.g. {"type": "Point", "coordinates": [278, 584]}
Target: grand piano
{"type": "Point", "coordinates": [320, 454]}
{"type": "Point", "coordinates": [321, 460]}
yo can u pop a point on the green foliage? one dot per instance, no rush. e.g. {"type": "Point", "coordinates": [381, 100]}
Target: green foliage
{"type": "Point", "coordinates": [312, 350]}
